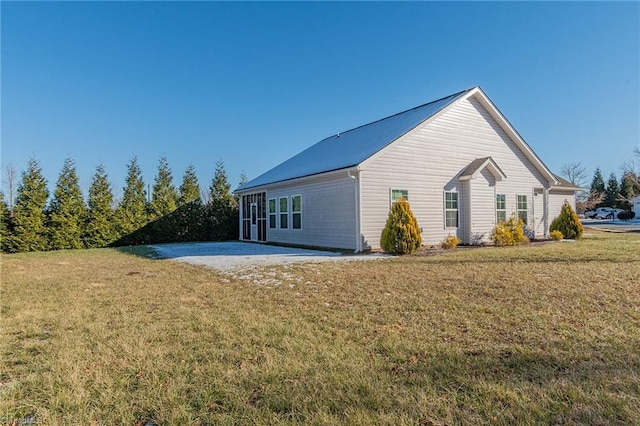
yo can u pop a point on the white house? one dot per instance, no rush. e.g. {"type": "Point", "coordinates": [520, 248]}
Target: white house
{"type": "Point", "coordinates": [457, 160]}
{"type": "Point", "coordinates": [635, 206]}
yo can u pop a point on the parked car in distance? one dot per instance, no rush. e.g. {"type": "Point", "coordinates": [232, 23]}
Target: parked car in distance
{"type": "Point", "coordinates": [609, 213]}
{"type": "Point", "coordinates": [591, 214]}
{"type": "Point", "coordinates": [599, 213]}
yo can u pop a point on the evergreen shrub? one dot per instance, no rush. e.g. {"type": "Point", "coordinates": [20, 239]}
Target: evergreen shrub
{"type": "Point", "coordinates": [401, 234]}
{"type": "Point", "coordinates": [556, 235]}
{"type": "Point", "coordinates": [509, 233]}
{"type": "Point", "coordinates": [567, 223]}
{"type": "Point", "coordinates": [451, 242]}
{"type": "Point", "coordinates": [626, 215]}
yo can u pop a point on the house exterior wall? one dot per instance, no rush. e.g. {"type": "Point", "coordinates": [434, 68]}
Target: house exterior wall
{"type": "Point", "coordinates": [328, 212]}
{"type": "Point", "coordinates": [556, 200]}
{"type": "Point", "coordinates": [427, 162]}
{"type": "Point", "coordinates": [483, 196]}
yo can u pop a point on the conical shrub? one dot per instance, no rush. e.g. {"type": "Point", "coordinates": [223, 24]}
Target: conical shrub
{"type": "Point", "coordinates": [567, 223]}
{"type": "Point", "coordinates": [401, 234]}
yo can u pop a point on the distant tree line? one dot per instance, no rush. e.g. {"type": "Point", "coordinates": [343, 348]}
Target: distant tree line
{"type": "Point", "coordinates": [66, 220]}
{"type": "Point", "coordinates": [614, 193]}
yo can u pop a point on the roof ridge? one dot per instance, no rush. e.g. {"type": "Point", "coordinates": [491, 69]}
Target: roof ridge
{"type": "Point", "coordinates": [400, 113]}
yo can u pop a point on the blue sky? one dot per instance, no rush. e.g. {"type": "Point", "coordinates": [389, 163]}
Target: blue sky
{"type": "Point", "coordinates": [255, 83]}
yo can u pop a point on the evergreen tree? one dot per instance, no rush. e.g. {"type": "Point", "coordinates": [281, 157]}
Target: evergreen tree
{"type": "Point", "coordinates": [567, 223]}
{"type": "Point", "coordinates": [628, 189]}
{"type": "Point", "coordinates": [27, 231]}
{"type": "Point", "coordinates": [222, 209]}
{"type": "Point", "coordinates": [597, 184]}
{"type": "Point", "coordinates": [99, 230]}
{"type": "Point", "coordinates": [132, 211]}
{"type": "Point", "coordinates": [66, 211]}
{"type": "Point", "coordinates": [164, 199]}
{"type": "Point", "coordinates": [190, 189]}
{"type": "Point", "coordinates": [612, 192]}
{"type": "Point", "coordinates": [4, 217]}
{"type": "Point", "coordinates": [243, 179]}
{"type": "Point", "coordinates": [220, 188]}
{"type": "Point", "coordinates": [401, 233]}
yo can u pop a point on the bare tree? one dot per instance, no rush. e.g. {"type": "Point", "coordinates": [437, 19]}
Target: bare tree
{"type": "Point", "coordinates": [589, 202]}
{"type": "Point", "coordinates": [631, 167]}
{"type": "Point", "coordinates": [11, 181]}
{"type": "Point", "coordinates": [575, 173]}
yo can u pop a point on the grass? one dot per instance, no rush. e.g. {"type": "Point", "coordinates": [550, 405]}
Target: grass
{"type": "Point", "coordinates": [544, 334]}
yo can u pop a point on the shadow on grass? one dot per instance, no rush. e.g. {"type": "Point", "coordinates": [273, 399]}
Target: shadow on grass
{"type": "Point", "coordinates": [601, 379]}
{"type": "Point", "coordinates": [138, 251]}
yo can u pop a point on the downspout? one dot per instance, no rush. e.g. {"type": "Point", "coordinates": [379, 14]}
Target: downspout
{"type": "Point", "coordinates": [240, 237]}
{"type": "Point", "coordinates": [356, 209]}
{"type": "Point", "coordinates": [545, 199]}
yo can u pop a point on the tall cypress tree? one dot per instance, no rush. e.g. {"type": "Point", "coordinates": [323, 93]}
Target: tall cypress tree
{"type": "Point", "coordinates": [66, 211]}
{"type": "Point", "coordinates": [222, 208]}
{"type": "Point", "coordinates": [27, 231]}
{"type": "Point", "coordinates": [189, 189]}
{"type": "Point", "coordinates": [164, 199]}
{"type": "Point", "coordinates": [628, 189]}
{"type": "Point", "coordinates": [612, 192]}
{"type": "Point", "coordinates": [132, 211]}
{"type": "Point", "coordinates": [99, 230]}
{"type": "Point", "coordinates": [220, 188]}
{"type": "Point", "coordinates": [4, 217]}
{"type": "Point", "coordinates": [597, 184]}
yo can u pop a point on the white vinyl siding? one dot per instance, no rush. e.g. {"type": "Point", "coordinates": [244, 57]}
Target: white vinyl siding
{"type": "Point", "coordinates": [327, 212]}
{"type": "Point", "coordinates": [430, 158]}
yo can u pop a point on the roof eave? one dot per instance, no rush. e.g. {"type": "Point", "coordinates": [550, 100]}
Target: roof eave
{"type": "Point", "coordinates": [512, 133]}
{"type": "Point", "coordinates": [297, 179]}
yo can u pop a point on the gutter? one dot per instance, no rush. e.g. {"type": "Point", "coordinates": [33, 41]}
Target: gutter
{"type": "Point", "coordinates": [355, 175]}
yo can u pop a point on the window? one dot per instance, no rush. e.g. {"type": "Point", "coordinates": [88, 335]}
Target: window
{"type": "Point", "coordinates": [284, 212]}
{"type": "Point", "coordinates": [296, 212]}
{"type": "Point", "coordinates": [272, 213]}
{"type": "Point", "coordinates": [451, 209]}
{"type": "Point", "coordinates": [501, 208]}
{"type": "Point", "coordinates": [396, 194]}
{"type": "Point", "coordinates": [522, 208]}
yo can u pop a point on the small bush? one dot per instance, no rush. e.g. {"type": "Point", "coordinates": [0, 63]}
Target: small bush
{"type": "Point", "coordinates": [509, 233]}
{"type": "Point", "coordinates": [567, 222]}
{"type": "Point", "coordinates": [556, 235]}
{"type": "Point", "coordinates": [450, 242]}
{"type": "Point", "coordinates": [626, 215]}
{"type": "Point", "coordinates": [401, 234]}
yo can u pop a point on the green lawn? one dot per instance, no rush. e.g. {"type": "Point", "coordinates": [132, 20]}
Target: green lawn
{"type": "Point", "coordinates": [543, 334]}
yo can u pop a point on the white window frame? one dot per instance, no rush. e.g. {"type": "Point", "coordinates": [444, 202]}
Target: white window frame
{"type": "Point", "coordinates": [404, 193]}
{"type": "Point", "coordinates": [274, 213]}
{"type": "Point", "coordinates": [525, 210]}
{"type": "Point", "coordinates": [293, 212]}
{"type": "Point", "coordinates": [502, 210]}
{"type": "Point", "coordinates": [281, 213]}
{"type": "Point", "coordinates": [448, 209]}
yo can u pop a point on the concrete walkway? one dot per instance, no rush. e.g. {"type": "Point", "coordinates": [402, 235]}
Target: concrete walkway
{"type": "Point", "coordinates": [233, 255]}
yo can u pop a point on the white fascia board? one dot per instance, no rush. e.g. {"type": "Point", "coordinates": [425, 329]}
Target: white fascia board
{"type": "Point", "coordinates": [300, 180]}
{"type": "Point", "coordinates": [490, 165]}
{"type": "Point", "coordinates": [511, 132]}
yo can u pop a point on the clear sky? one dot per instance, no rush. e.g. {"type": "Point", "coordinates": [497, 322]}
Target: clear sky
{"type": "Point", "coordinates": [255, 83]}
